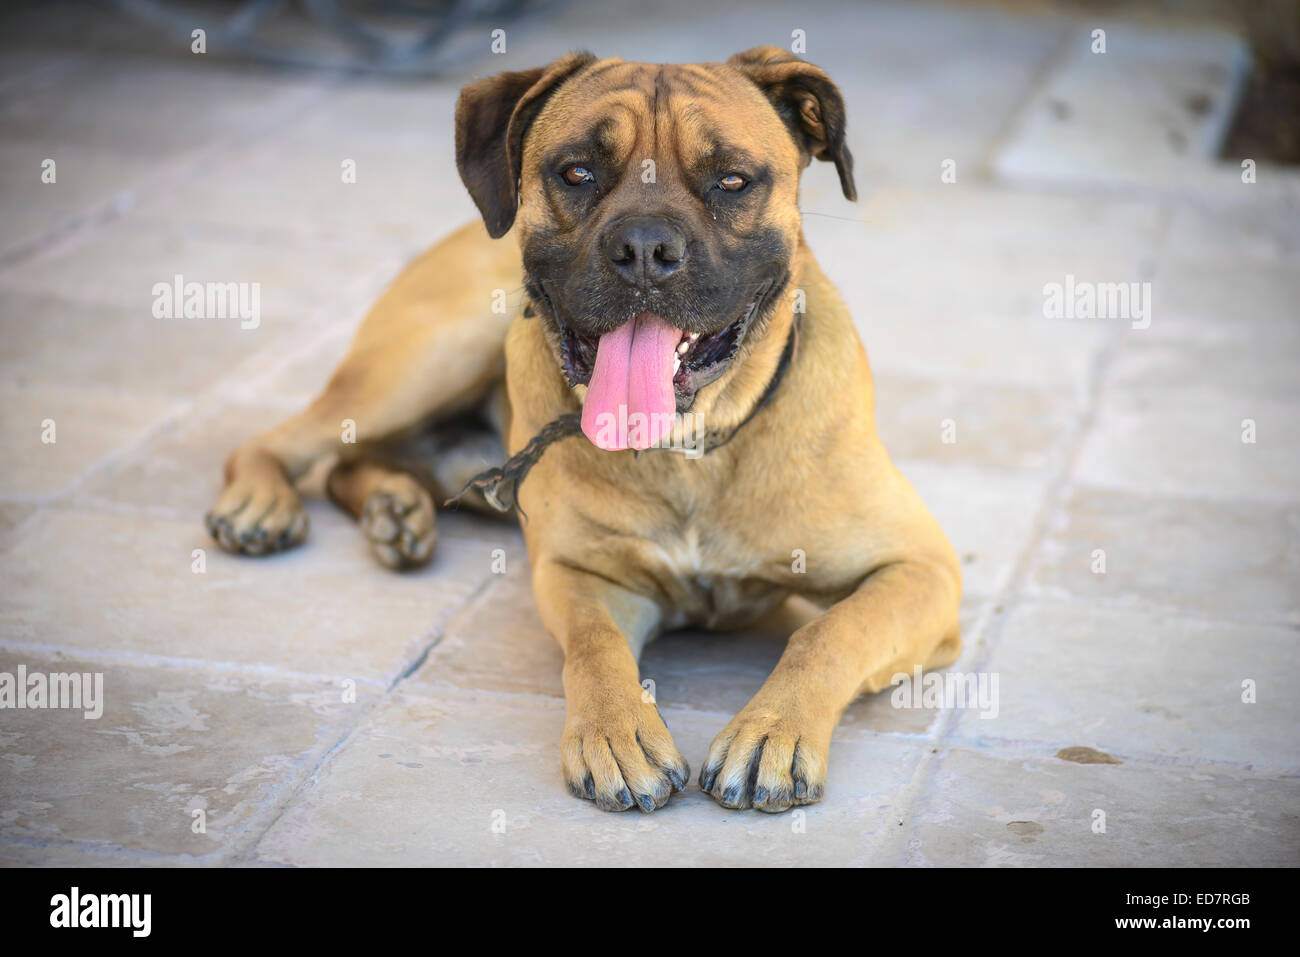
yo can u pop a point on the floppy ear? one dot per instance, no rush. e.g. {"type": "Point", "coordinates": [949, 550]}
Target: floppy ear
{"type": "Point", "coordinates": [492, 116]}
{"type": "Point", "coordinates": [808, 102]}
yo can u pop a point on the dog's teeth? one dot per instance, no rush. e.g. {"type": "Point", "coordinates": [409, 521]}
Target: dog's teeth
{"type": "Point", "coordinates": [692, 336]}
{"type": "Point", "coordinates": [683, 347]}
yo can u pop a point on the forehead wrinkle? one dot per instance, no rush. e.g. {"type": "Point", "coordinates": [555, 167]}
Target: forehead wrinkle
{"type": "Point", "coordinates": [613, 134]}
{"type": "Point", "coordinates": [601, 66]}
{"type": "Point", "coordinates": [619, 126]}
{"type": "Point", "coordinates": [672, 90]}
{"type": "Point", "coordinates": [667, 134]}
{"type": "Point", "coordinates": [694, 129]}
{"type": "Point", "coordinates": [694, 84]}
{"type": "Point", "coordinates": [634, 107]}
{"type": "Point", "coordinates": [761, 135]}
{"type": "Point", "coordinates": [654, 110]}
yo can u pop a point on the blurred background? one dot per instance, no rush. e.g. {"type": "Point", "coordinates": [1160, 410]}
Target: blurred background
{"type": "Point", "coordinates": [1123, 494]}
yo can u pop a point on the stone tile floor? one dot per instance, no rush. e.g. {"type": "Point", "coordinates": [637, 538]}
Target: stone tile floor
{"type": "Point", "coordinates": [318, 709]}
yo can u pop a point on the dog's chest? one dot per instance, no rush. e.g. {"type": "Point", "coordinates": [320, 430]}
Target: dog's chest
{"type": "Point", "coordinates": [708, 581]}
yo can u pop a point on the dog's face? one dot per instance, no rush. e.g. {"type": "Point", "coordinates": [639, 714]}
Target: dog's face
{"type": "Point", "coordinates": [656, 208]}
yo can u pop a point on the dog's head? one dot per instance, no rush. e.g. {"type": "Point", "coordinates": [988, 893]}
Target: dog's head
{"type": "Point", "coordinates": [656, 208]}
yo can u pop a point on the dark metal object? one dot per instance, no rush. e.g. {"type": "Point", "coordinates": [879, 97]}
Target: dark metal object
{"type": "Point", "coordinates": [389, 36]}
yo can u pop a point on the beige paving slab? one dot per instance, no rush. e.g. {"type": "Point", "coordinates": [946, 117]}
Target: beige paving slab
{"type": "Point", "coordinates": [86, 181]}
{"type": "Point", "coordinates": [987, 514]}
{"type": "Point", "coordinates": [168, 743]}
{"type": "Point", "coordinates": [116, 583]}
{"type": "Point", "coordinates": [978, 66]}
{"type": "Point", "coordinates": [1236, 364]}
{"type": "Point", "coordinates": [54, 436]}
{"type": "Point", "coordinates": [971, 310]}
{"type": "Point", "coordinates": [1012, 349]}
{"type": "Point", "coordinates": [294, 378]}
{"type": "Point", "coordinates": [12, 515]}
{"type": "Point", "coordinates": [1142, 684]}
{"type": "Point", "coordinates": [1153, 106]}
{"type": "Point", "coordinates": [498, 643]}
{"type": "Point", "coordinates": [995, 810]}
{"type": "Point", "coordinates": [1243, 297]}
{"type": "Point", "coordinates": [960, 423]}
{"type": "Point", "coordinates": [425, 779]}
{"type": "Point", "coordinates": [37, 853]}
{"type": "Point", "coordinates": [1213, 233]}
{"type": "Point", "coordinates": [190, 104]}
{"type": "Point", "coordinates": [178, 473]}
{"type": "Point", "coordinates": [121, 263]}
{"type": "Point", "coordinates": [1243, 348]}
{"type": "Point", "coordinates": [983, 325]}
{"type": "Point", "coordinates": [890, 271]}
{"type": "Point", "coordinates": [51, 341]}
{"type": "Point", "coordinates": [974, 216]}
{"type": "Point", "coordinates": [1218, 445]}
{"type": "Point", "coordinates": [1236, 560]}
{"type": "Point", "coordinates": [402, 188]}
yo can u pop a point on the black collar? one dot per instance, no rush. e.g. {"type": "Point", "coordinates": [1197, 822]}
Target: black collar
{"type": "Point", "coordinates": [782, 367]}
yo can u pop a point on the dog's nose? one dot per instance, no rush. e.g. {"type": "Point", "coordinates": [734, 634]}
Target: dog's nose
{"type": "Point", "coordinates": [646, 249]}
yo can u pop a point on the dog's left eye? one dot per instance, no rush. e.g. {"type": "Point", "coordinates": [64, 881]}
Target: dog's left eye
{"type": "Point", "coordinates": [577, 175]}
{"type": "Point", "coordinates": [733, 183]}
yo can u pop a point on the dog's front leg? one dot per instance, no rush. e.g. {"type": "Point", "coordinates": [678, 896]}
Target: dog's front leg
{"type": "Point", "coordinates": [773, 754]}
{"type": "Point", "coordinates": [616, 750]}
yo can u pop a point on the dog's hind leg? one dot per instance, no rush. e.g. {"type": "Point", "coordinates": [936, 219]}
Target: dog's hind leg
{"type": "Point", "coordinates": [433, 346]}
{"type": "Point", "coordinates": [391, 505]}
{"type": "Point", "coordinates": [391, 489]}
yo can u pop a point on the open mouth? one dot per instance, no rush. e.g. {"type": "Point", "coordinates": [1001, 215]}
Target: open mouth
{"type": "Point", "coordinates": [643, 373]}
{"type": "Point", "coordinates": [697, 358]}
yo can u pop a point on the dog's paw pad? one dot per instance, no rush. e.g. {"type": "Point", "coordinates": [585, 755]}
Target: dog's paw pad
{"type": "Point", "coordinates": [398, 519]}
{"type": "Point", "coordinates": [765, 763]}
{"type": "Point", "coordinates": [626, 762]}
{"type": "Point", "coordinates": [258, 517]}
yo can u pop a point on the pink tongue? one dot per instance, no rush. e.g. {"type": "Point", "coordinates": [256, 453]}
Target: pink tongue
{"type": "Point", "coordinates": [631, 388]}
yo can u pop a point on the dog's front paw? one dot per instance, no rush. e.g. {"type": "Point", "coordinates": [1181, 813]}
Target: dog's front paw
{"type": "Point", "coordinates": [767, 760]}
{"type": "Point", "coordinates": [617, 752]}
{"type": "Point", "coordinates": [258, 512]}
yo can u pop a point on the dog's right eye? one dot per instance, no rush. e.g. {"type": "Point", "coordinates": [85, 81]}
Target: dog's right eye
{"type": "Point", "coordinates": [577, 175]}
